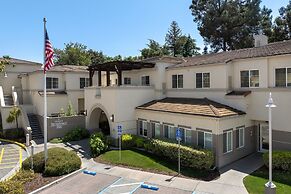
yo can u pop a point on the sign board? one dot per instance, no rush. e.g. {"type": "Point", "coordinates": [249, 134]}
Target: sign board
{"type": "Point", "coordinates": [119, 130]}
{"type": "Point", "coordinates": [59, 123]}
{"type": "Point", "coordinates": [178, 134]}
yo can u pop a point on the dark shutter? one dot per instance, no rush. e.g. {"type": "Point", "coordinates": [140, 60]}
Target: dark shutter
{"type": "Point", "coordinates": [237, 138]}
{"type": "Point", "coordinates": [198, 80]}
{"type": "Point", "coordinates": [201, 139]}
{"type": "Point", "coordinates": [224, 143]}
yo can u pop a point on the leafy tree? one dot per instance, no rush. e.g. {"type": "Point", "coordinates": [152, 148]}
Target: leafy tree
{"type": "Point", "coordinates": [189, 48]}
{"type": "Point", "coordinates": [73, 54]}
{"type": "Point", "coordinates": [266, 21]}
{"type": "Point", "coordinates": [96, 57]}
{"type": "Point", "coordinates": [282, 24]}
{"type": "Point", "coordinates": [205, 50]}
{"type": "Point", "coordinates": [172, 41]}
{"type": "Point", "coordinates": [227, 25]}
{"type": "Point", "coordinates": [13, 115]}
{"type": "Point", "coordinates": [153, 49]}
{"type": "Point", "coordinates": [4, 62]}
{"type": "Point", "coordinates": [70, 110]}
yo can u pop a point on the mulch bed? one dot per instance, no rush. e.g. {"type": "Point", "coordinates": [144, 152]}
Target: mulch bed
{"type": "Point", "coordinates": [38, 182]}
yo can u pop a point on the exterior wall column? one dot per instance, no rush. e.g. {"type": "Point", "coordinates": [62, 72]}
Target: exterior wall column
{"type": "Point", "coordinates": [108, 78]}
{"type": "Point", "coordinates": [91, 74]}
{"type": "Point", "coordinates": [120, 78]}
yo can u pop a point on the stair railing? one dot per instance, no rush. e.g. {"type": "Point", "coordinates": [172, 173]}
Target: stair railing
{"type": "Point", "coordinates": [25, 121]}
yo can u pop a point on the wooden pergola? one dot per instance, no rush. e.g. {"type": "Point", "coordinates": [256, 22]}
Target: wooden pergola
{"type": "Point", "coordinates": [115, 66]}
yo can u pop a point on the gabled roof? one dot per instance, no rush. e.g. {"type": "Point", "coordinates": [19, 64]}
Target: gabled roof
{"type": "Point", "coordinates": [165, 59]}
{"type": "Point", "coordinates": [272, 49]}
{"type": "Point", "coordinates": [191, 106]}
{"type": "Point", "coordinates": [66, 68]}
{"type": "Point", "coordinates": [120, 66]}
{"type": "Point", "coordinates": [21, 61]}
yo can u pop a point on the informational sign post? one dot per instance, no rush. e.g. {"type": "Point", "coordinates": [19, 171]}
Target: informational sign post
{"type": "Point", "coordinates": [119, 133]}
{"type": "Point", "coordinates": [179, 138]}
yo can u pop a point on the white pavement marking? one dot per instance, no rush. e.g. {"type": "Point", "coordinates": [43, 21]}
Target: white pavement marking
{"type": "Point", "coordinates": [127, 184]}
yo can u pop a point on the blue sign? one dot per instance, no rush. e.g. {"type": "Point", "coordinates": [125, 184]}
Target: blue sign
{"type": "Point", "coordinates": [179, 134]}
{"type": "Point", "coordinates": [119, 130]}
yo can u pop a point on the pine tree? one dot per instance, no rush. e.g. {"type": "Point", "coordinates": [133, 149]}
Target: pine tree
{"type": "Point", "coordinates": [189, 48]}
{"type": "Point", "coordinates": [172, 39]}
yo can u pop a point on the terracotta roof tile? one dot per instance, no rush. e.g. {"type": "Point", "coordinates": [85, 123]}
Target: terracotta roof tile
{"type": "Point", "coordinates": [192, 106]}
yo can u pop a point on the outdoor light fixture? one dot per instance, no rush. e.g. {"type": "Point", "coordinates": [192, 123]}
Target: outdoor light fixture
{"type": "Point", "coordinates": [270, 187]}
{"type": "Point", "coordinates": [85, 112]}
{"type": "Point", "coordinates": [5, 74]}
{"type": "Point", "coordinates": [112, 118]}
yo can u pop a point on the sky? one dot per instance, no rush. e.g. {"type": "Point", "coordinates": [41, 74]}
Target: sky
{"type": "Point", "coordinates": [112, 26]}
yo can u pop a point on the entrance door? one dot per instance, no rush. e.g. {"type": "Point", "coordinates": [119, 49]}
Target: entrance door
{"type": "Point", "coordinates": [264, 137]}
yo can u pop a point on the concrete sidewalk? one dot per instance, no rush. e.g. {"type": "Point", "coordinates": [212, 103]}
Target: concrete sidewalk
{"type": "Point", "coordinates": [230, 181]}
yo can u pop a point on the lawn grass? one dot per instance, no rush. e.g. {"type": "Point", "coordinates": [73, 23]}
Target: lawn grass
{"type": "Point", "coordinates": [149, 162]}
{"type": "Point", "coordinates": [255, 182]}
{"type": "Point", "coordinates": [56, 140]}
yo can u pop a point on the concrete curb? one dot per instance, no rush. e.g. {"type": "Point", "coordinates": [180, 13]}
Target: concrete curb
{"type": "Point", "coordinates": [57, 181]}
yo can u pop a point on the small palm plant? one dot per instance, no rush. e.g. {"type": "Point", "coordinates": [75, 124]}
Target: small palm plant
{"type": "Point", "coordinates": [13, 116]}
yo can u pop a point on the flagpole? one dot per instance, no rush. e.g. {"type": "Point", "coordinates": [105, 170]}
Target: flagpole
{"type": "Point", "coordinates": [45, 101]}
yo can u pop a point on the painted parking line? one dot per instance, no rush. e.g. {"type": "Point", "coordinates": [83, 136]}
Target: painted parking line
{"type": "Point", "coordinates": [1, 156]}
{"type": "Point", "coordinates": [122, 185]}
{"type": "Point", "coordinates": [10, 157]}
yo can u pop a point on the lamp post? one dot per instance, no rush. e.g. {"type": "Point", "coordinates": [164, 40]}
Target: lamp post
{"type": "Point", "coordinates": [270, 187]}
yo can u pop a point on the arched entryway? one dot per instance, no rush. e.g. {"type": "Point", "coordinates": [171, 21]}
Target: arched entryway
{"type": "Point", "coordinates": [98, 120]}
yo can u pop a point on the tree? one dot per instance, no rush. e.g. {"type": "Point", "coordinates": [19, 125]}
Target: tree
{"type": "Point", "coordinates": [13, 115]}
{"type": "Point", "coordinates": [282, 24]}
{"type": "Point", "coordinates": [205, 50]}
{"type": "Point", "coordinates": [70, 110]}
{"type": "Point", "coordinates": [4, 62]}
{"type": "Point", "coordinates": [189, 47]}
{"type": "Point", "coordinates": [227, 25]}
{"type": "Point", "coordinates": [153, 49]}
{"type": "Point", "coordinates": [73, 54]}
{"type": "Point", "coordinates": [172, 39]}
{"type": "Point", "coordinates": [97, 57]}
{"type": "Point", "coordinates": [266, 22]}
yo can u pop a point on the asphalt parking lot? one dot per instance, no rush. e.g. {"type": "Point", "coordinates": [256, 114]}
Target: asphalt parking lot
{"type": "Point", "coordinates": [104, 184]}
{"type": "Point", "coordinates": [10, 156]}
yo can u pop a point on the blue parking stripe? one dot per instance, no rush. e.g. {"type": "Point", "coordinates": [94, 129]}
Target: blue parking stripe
{"type": "Point", "coordinates": [136, 188]}
{"type": "Point", "coordinates": [103, 190]}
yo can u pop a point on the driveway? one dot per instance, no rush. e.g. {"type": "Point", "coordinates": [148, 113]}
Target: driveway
{"type": "Point", "coordinates": [11, 156]}
{"type": "Point", "coordinates": [115, 179]}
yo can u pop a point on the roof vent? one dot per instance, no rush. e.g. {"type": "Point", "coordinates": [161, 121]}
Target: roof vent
{"type": "Point", "coordinates": [260, 40]}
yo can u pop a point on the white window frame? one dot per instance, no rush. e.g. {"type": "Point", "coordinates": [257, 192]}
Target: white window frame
{"type": "Point", "coordinates": [286, 77]}
{"type": "Point", "coordinates": [204, 132]}
{"type": "Point", "coordinates": [239, 143]}
{"type": "Point", "coordinates": [144, 123]}
{"type": "Point", "coordinates": [52, 83]}
{"type": "Point", "coordinates": [156, 123]}
{"type": "Point", "coordinates": [87, 82]}
{"type": "Point", "coordinates": [203, 87]}
{"type": "Point", "coordinates": [169, 131]}
{"type": "Point", "coordinates": [177, 81]}
{"type": "Point", "coordinates": [249, 70]}
{"type": "Point", "coordinates": [128, 79]}
{"type": "Point", "coordinates": [145, 83]}
{"type": "Point", "coordinates": [229, 150]}
{"type": "Point", "coordinates": [185, 135]}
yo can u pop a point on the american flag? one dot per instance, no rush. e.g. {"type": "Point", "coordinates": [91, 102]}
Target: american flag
{"type": "Point", "coordinates": [49, 54]}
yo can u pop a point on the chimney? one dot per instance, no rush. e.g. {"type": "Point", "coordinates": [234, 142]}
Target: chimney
{"type": "Point", "coordinates": [260, 40]}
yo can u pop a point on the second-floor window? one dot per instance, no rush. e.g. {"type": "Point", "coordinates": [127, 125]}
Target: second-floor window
{"type": "Point", "coordinates": [283, 77]}
{"type": "Point", "coordinates": [52, 83]}
{"type": "Point", "coordinates": [177, 81]}
{"type": "Point", "coordinates": [249, 78]}
{"type": "Point", "coordinates": [84, 82]}
{"type": "Point", "coordinates": [127, 81]}
{"type": "Point", "coordinates": [145, 80]}
{"type": "Point", "coordinates": [202, 80]}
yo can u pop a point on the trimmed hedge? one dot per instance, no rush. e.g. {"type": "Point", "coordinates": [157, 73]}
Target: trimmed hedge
{"type": "Point", "coordinates": [76, 135]}
{"type": "Point", "coordinates": [60, 161]}
{"type": "Point", "coordinates": [127, 141]}
{"type": "Point", "coordinates": [281, 160]}
{"type": "Point", "coordinates": [98, 144]}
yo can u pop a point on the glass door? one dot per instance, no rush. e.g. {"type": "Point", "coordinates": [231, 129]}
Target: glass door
{"type": "Point", "coordinates": [264, 137]}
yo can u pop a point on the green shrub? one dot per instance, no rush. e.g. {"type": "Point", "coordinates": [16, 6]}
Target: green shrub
{"type": "Point", "coordinates": [60, 161]}
{"type": "Point", "coordinates": [76, 135]}
{"type": "Point", "coordinates": [140, 142]}
{"type": "Point", "coordinates": [190, 157]}
{"type": "Point", "coordinates": [13, 133]}
{"type": "Point", "coordinates": [127, 141]}
{"type": "Point", "coordinates": [98, 144]}
{"type": "Point", "coordinates": [281, 160]}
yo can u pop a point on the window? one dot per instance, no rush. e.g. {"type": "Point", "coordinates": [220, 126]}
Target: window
{"type": "Point", "coordinates": [169, 132]}
{"type": "Point", "coordinates": [202, 80]}
{"type": "Point", "coordinates": [186, 135]}
{"type": "Point", "coordinates": [143, 128]}
{"type": "Point", "coordinates": [204, 140]}
{"type": "Point", "coordinates": [127, 81]}
{"type": "Point", "coordinates": [156, 129]}
{"type": "Point", "coordinates": [145, 80]}
{"type": "Point", "coordinates": [52, 83]}
{"type": "Point", "coordinates": [227, 141]}
{"type": "Point", "coordinates": [249, 78]}
{"type": "Point", "coordinates": [84, 82]}
{"type": "Point", "coordinates": [240, 137]}
{"type": "Point", "coordinates": [177, 81]}
{"type": "Point", "coordinates": [283, 77]}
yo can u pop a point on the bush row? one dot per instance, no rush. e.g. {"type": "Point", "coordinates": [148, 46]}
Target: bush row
{"type": "Point", "coordinates": [98, 144]}
{"type": "Point", "coordinates": [76, 134]}
{"type": "Point", "coordinates": [281, 160]}
{"type": "Point", "coordinates": [60, 161]}
{"type": "Point", "coordinates": [190, 157]}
